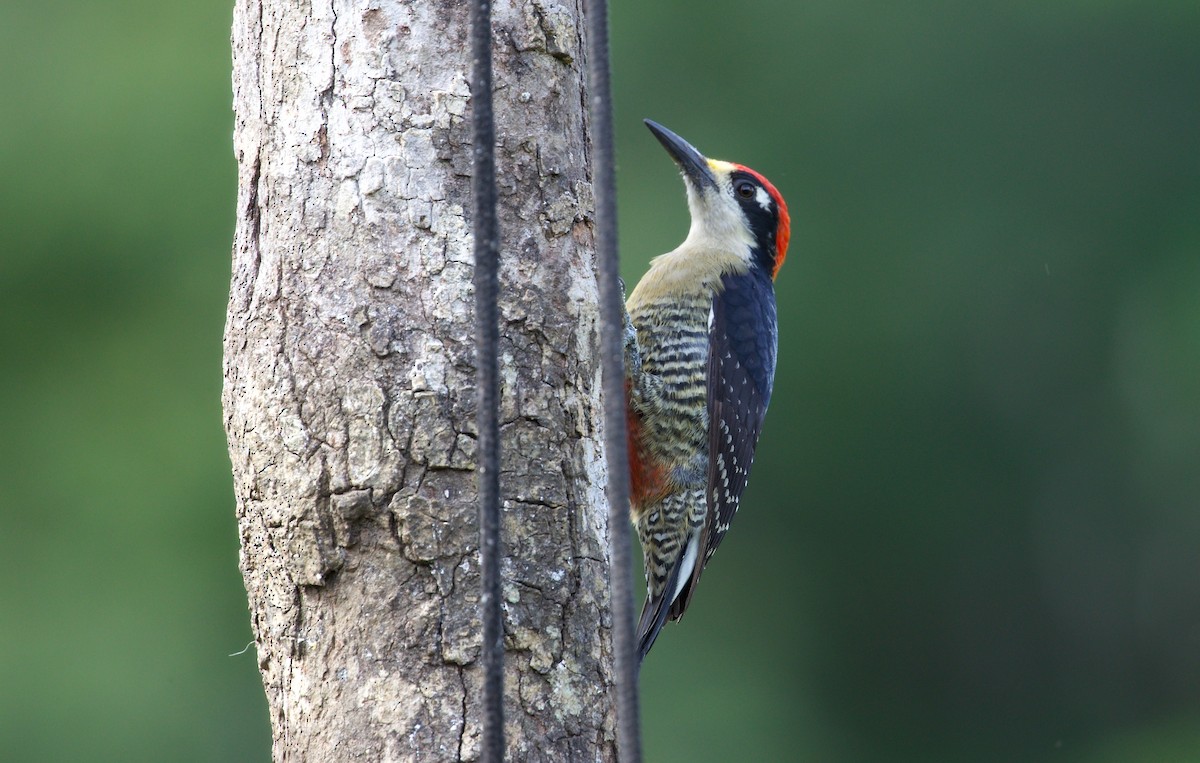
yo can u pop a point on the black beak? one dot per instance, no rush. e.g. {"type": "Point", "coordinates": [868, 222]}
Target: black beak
{"type": "Point", "coordinates": [693, 164]}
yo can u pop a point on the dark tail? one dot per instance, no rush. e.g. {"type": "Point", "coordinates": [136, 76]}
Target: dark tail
{"type": "Point", "coordinates": [654, 614]}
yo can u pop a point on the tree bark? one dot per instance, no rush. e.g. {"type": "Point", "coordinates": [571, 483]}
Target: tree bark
{"type": "Point", "coordinates": [349, 382]}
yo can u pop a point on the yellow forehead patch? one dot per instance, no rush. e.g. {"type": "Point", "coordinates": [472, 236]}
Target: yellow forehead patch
{"type": "Point", "coordinates": [720, 167]}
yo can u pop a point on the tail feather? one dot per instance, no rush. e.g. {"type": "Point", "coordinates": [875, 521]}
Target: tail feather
{"type": "Point", "coordinates": [673, 599]}
{"type": "Point", "coordinates": [654, 613]}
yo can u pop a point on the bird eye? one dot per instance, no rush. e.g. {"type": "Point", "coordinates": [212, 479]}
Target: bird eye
{"type": "Point", "coordinates": [745, 189]}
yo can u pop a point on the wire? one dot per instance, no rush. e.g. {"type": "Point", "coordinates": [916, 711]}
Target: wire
{"type": "Point", "coordinates": [487, 339]}
{"type": "Point", "coordinates": [629, 735]}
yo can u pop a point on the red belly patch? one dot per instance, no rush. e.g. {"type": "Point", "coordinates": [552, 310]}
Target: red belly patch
{"type": "Point", "coordinates": [647, 476]}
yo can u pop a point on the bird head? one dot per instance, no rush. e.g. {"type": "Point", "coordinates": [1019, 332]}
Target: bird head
{"type": "Point", "coordinates": [732, 206]}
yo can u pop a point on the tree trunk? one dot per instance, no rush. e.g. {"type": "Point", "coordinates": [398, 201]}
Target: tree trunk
{"type": "Point", "coordinates": [349, 382]}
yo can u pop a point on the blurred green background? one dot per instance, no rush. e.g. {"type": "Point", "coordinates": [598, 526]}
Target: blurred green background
{"type": "Point", "coordinates": [972, 533]}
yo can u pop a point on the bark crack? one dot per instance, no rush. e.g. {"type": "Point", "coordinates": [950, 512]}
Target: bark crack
{"type": "Point", "coordinates": [462, 729]}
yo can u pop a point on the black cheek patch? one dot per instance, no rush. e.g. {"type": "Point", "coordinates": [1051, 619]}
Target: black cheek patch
{"type": "Point", "coordinates": [764, 224]}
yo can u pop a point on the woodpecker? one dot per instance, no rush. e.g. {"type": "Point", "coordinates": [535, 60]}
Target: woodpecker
{"type": "Point", "coordinates": [700, 347]}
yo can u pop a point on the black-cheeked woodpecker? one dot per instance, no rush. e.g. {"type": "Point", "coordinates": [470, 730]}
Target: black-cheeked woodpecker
{"type": "Point", "coordinates": [700, 347]}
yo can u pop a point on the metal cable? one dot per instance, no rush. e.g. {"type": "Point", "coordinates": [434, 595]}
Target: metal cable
{"type": "Point", "coordinates": [629, 735]}
{"type": "Point", "coordinates": [487, 340]}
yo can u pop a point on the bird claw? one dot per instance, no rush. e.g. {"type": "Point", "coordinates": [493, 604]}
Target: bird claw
{"type": "Point", "coordinates": [633, 353]}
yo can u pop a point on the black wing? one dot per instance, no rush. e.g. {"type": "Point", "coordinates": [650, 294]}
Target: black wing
{"type": "Point", "coordinates": [741, 371]}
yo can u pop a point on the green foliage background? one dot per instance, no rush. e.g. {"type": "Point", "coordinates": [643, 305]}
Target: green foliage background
{"type": "Point", "coordinates": [972, 532]}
